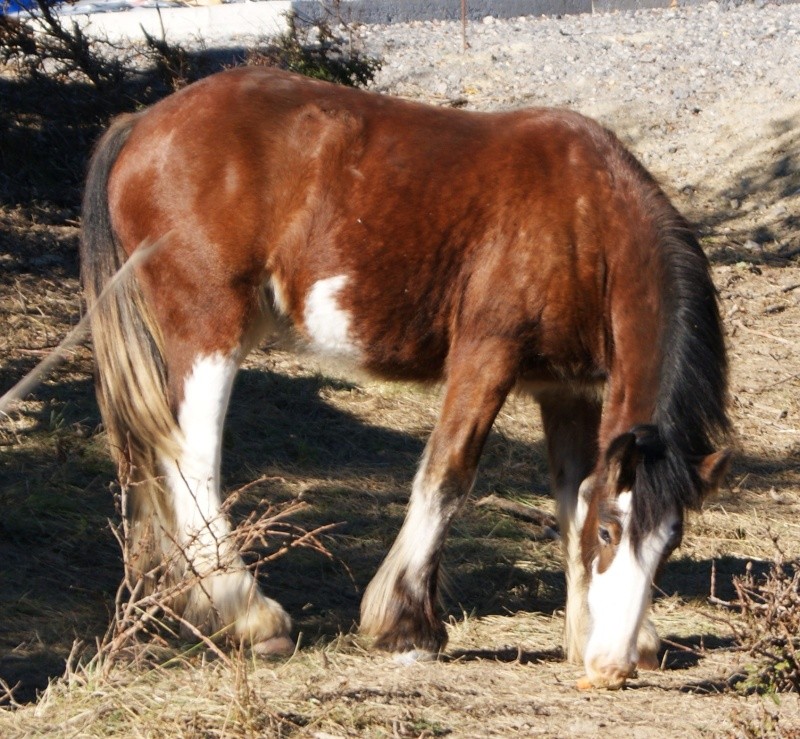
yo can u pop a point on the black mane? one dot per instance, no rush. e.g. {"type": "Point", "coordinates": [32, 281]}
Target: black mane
{"type": "Point", "coordinates": [690, 417]}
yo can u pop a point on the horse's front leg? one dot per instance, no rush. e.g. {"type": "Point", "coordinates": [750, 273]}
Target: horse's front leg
{"type": "Point", "coordinates": [571, 422]}
{"type": "Point", "coordinates": [399, 607]}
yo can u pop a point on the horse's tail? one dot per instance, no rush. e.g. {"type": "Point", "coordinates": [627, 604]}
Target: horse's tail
{"type": "Point", "coordinates": [130, 371]}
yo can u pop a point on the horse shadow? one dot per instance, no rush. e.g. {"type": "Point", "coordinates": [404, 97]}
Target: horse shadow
{"type": "Point", "coordinates": [62, 563]}
{"type": "Point", "coordinates": [357, 477]}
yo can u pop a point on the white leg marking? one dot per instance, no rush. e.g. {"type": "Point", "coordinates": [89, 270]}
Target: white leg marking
{"type": "Point", "coordinates": [421, 533]}
{"type": "Point", "coordinates": [414, 548]}
{"type": "Point", "coordinates": [619, 597]}
{"type": "Point", "coordinates": [582, 503]}
{"type": "Point", "coordinates": [202, 531]}
{"type": "Point", "coordinates": [576, 616]}
{"type": "Point", "coordinates": [327, 324]}
{"type": "Point", "coordinates": [647, 645]}
{"type": "Point", "coordinates": [413, 656]}
{"type": "Point", "coordinates": [194, 477]}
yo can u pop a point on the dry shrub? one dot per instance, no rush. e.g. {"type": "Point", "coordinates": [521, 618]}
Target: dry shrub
{"type": "Point", "coordinates": [66, 86]}
{"type": "Point", "coordinates": [763, 725]}
{"type": "Point", "coordinates": [44, 47]}
{"type": "Point", "coordinates": [770, 628]}
{"type": "Point", "coordinates": [314, 50]}
{"type": "Point", "coordinates": [147, 627]}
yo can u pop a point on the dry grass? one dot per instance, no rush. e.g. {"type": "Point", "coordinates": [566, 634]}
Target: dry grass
{"type": "Point", "coordinates": [346, 450]}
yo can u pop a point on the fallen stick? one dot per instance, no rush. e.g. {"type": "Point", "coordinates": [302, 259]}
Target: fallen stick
{"type": "Point", "coordinates": [763, 334]}
{"type": "Point", "coordinates": [519, 510]}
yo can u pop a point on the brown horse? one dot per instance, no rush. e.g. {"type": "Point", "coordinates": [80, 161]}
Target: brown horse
{"type": "Point", "coordinates": [525, 249]}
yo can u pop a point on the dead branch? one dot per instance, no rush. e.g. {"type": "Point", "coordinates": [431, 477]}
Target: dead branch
{"type": "Point", "coordinates": [763, 334]}
{"type": "Point", "coordinates": [7, 694]}
{"type": "Point", "coordinates": [519, 510]}
{"type": "Point", "coordinates": [145, 605]}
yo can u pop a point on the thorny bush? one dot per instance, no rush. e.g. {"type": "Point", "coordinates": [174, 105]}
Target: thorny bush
{"type": "Point", "coordinates": [770, 632]}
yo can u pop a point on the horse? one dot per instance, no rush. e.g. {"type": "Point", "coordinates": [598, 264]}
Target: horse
{"type": "Point", "coordinates": [525, 250]}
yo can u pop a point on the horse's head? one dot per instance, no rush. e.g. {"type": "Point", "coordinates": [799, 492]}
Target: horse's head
{"type": "Point", "coordinates": [631, 514]}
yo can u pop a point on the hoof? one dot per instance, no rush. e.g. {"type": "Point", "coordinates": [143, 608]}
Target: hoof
{"type": "Point", "coordinates": [606, 676]}
{"type": "Point", "coordinates": [585, 683]}
{"type": "Point", "coordinates": [263, 622]}
{"type": "Point", "coordinates": [278, 646]}
{"type": "Point", "coordinates": [648, 661]}
{"type": "Point", "coordinates": [648, 644]}
{"type": "Point", "coordinates": [231, 605]}
{"type": "Point", "coordinates": [412, 656]}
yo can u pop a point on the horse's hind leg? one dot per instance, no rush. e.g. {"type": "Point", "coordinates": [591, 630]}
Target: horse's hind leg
{"type": "Point", "coordinates": [399, 606]}
{"type": "Point", "coordinates": [571, 423]}
{"type": "Point", "coordinates": [202, 357]}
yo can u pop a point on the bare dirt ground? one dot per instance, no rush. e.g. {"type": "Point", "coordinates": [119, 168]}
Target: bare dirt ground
{"type": "Point", "coordinates": [347, 449]}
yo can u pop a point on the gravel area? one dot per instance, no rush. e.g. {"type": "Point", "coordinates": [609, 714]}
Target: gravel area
{"type": "Point", "coordinates": [704, 95]}
{"type": "Point", "coordinates": [682, 58]}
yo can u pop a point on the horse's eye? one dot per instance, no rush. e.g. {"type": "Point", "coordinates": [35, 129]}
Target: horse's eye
{"type": "Point", "coordinates": [675, 537]}
{"type": "Point", "coordinates": [604, 534]}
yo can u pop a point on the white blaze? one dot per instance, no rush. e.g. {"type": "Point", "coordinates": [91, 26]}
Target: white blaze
{"type": "Point", "coordinates": [619, 597]}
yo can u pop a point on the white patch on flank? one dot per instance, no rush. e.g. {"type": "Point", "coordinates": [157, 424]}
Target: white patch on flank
{"type": "Point", "coordinates": [619, 597]}
{"type": "Point", "coordinates": [327, 324]}
{"type": "Point", "coordinates": [278, 296]}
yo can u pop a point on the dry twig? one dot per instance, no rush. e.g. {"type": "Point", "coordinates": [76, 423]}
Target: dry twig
{"type": "Point", "coordinates": [519, 510]}
{"type": "Point", "coordinates": [770, 627]}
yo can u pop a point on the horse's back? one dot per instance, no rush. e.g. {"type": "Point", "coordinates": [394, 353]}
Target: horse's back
{"type": "Point", "coordinates": [413, 224]}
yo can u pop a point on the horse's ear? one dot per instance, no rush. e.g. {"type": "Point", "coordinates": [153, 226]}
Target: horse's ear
{"type": "Point", "coordinates": [622, 456]}
{"type": "Point", "coordinates": [712, 470]}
